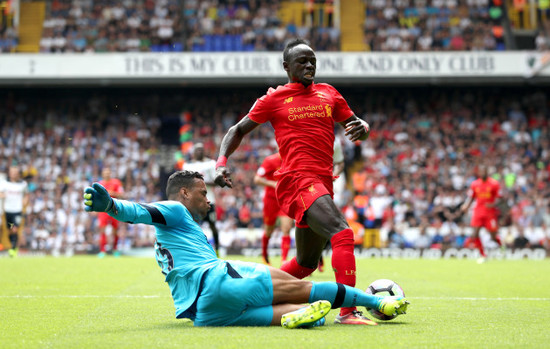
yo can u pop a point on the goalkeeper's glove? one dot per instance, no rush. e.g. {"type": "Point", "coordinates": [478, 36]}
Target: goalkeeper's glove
{"type": "Point", "coordinates": [97, 199]}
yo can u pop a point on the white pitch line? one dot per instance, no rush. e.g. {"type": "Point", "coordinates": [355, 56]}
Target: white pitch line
{"type": "Point", "coordinates": [79, 296]}
{"type": "Point", "coordinates": [157, 296]}
{"type": "Point", "coordinates": [482, 298]}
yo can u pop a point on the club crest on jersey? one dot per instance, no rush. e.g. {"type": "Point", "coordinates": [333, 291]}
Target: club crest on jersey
{"type": "Point", "coordinates": [329, 111]}
{"type": "Point", "coordinates": [288, 100]}
{"type": "Point", "coordinates": [312, 190]}
{"type": "Point", "coordinates": [321, 97]}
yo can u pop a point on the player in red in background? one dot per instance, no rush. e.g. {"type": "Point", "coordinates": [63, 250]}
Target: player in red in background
{"type": "Point", "coordinates": [303, 115]}
{"type": "Point", "coordinates": [486, 191]}
{"type": "Point", "coordinates": [272, 211]}
{"type": "Point", "coordinates": [114, 187]}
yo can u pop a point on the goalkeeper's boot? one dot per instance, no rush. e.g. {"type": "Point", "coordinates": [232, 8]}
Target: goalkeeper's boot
{"type": "Point", "coordinates": [354, 318]}
{"type": "Point", "coordinates": [12, 252]}
{"type": "Point", "coordinates": [393, 305]}
{"type": "Point", "coordinates": [318, 323]}
{"type": "Point", "coordinates": [307, 316]}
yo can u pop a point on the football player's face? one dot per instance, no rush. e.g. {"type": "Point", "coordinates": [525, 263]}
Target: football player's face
{"type": "Point", "coordinates": [198, 203]}
{"type": "Point", "coordinates": [14, 173]}
{"type": "Point", "coordinates": [301, 65]}
{"type": "Point", "coordinates": [199, 152]}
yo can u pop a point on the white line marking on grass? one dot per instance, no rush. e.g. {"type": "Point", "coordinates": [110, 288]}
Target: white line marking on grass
{"type": "Point", "coordinates": [80, 296]}
{"type": "Point", "coordinates": [482, 298]}
{"type": "Point", "coordinates": [157, 296]}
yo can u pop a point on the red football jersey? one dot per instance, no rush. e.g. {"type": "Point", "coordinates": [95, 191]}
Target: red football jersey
{"type": "Point", "coordinates": [484, 192]}
{"type": "Point", "coordinates": [113, 186]}
{"type": "Point", "coordinates": [267, 170]}
{"type": "Point", "coordinates": [303, 119]}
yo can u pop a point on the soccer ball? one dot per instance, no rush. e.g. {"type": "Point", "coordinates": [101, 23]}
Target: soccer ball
{"type": "Point", "coordinates": [384, 287]}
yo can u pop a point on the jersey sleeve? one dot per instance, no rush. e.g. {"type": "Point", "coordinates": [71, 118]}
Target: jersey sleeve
{"type": "Point", "coordinates": [261, 171]}
{"type": "Point", "coordinates": [341, 110]}
{"type": "Point", "coordinates": [160, 213]}
{"type": "Point", "coordinates": [261, 110]}
{"type": "Point", "coordinates": [210, 172]}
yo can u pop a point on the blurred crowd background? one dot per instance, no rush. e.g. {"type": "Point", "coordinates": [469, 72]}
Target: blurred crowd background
{"type": "Point", "coordinates": [265, 25]}
{"type": "Point", "coordinates": [412, 173]}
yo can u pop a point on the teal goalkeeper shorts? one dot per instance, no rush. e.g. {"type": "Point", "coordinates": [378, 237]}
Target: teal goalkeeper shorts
{"type": "Point", "coordinates": [236, 294]}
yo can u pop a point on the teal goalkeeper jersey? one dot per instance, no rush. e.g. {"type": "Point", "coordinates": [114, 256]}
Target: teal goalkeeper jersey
{"type": "Point", "coordinates": [181, 248]}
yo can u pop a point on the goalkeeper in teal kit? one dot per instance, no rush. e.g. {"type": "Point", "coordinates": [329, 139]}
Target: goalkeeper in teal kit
{"type": "Point", "coordinates": [214, 292]}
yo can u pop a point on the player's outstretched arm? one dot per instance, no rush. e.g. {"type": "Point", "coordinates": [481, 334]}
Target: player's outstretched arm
{"type": "Point", "coordinates": [97, 199]}
{"type": "Point", "coordinates": [230, 143]}
{"type": "Point", "coordinates": [264, 181]}
{"type": "Point", "coordinates": [356, 129]}
{"type": "Point", "coordinates": [466, 205]}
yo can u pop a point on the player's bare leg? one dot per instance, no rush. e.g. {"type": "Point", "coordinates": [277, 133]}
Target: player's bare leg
{"type": "Point", "coordinates": [286, 226]}
{"type": "Point", "coordinates": [265, 242]}
{"type": "Point", "coordinates": [288, 289]}
{"type": "Point", "coordinates": [496, 238]}
{"type": "Point", "coordinates": [309, 246]}
{"type": "Point", "coordinates": [326, 220]}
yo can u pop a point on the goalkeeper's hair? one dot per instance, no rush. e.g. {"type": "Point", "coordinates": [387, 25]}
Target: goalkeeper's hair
{"type": "Point", "coordinates": [181, 179]}
{"type": "Point", "coordinates": [291, 45]}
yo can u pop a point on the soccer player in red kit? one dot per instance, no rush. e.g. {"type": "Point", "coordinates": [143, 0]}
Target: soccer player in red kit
{"type": "Point", "coordinates": [303, 114]}
{"type": "Point", "coordinates": [266, 176]}
{"type": "Point", "coordinates": [486, 191]}
{"type": "Point", "coordinates": [114, 187]}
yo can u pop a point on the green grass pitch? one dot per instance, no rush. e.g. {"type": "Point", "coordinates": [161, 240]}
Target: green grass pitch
{"type": "Point", "coordinates": [86, 302]}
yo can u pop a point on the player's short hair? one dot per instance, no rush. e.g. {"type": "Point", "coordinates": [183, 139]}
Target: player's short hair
{"type": "Point", "coordinates": [291, 44]}
{"type": "Point", "coordinates": [181, 179]}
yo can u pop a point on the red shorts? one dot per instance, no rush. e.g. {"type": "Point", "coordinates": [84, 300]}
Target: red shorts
{"type": "Point", "coordinates": [271, 210]}
{"type": "Point", "coordinates": [104, 220]}
{"type": "Point", "coordinates": [485, 220]}
{"type": "Point", "coordinates": [296, 192]}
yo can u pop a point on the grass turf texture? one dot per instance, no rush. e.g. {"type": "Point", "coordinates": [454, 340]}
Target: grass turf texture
{"type": "Point", "coordinates": [86, 302]}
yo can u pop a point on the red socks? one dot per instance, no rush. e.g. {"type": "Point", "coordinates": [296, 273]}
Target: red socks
{"type": "Point", "coordinates": [293, 268]}
{"type": "Point", "coordinates": [115, 243]}
{"type": "Point", "coordinates": [265, 241]}
{"type": "Point", "coordinates": [479, 245]}
{"type": "Point", "coordinates": [343, 261]}
{"type": "Point", "coordinates": [102, 242]}
{"type": "Point", "coordinates": [285, 246]}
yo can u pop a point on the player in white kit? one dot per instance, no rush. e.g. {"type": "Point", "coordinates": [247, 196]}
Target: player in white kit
{"type": "Point", "coordinates": [14, 195]}
{"type": "Point", "coordinates": [207, 167]}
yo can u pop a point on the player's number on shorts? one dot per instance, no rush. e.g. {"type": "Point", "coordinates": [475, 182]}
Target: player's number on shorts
{"type": "Point", "coordinates": [164, 258]}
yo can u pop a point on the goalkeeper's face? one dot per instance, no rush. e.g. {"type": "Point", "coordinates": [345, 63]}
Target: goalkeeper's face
{"type": "Point", "coordinates": [196, 201]}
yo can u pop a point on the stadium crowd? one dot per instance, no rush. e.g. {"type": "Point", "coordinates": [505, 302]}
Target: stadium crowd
{"type": "Point", "coordinates": [173, 26]}
{"type": "Point", "coordinates": [438, 25]}
{"type": "Point", "coordinates": [254, 25]}
{"type": "Point", "coordinates": [413, 172]}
